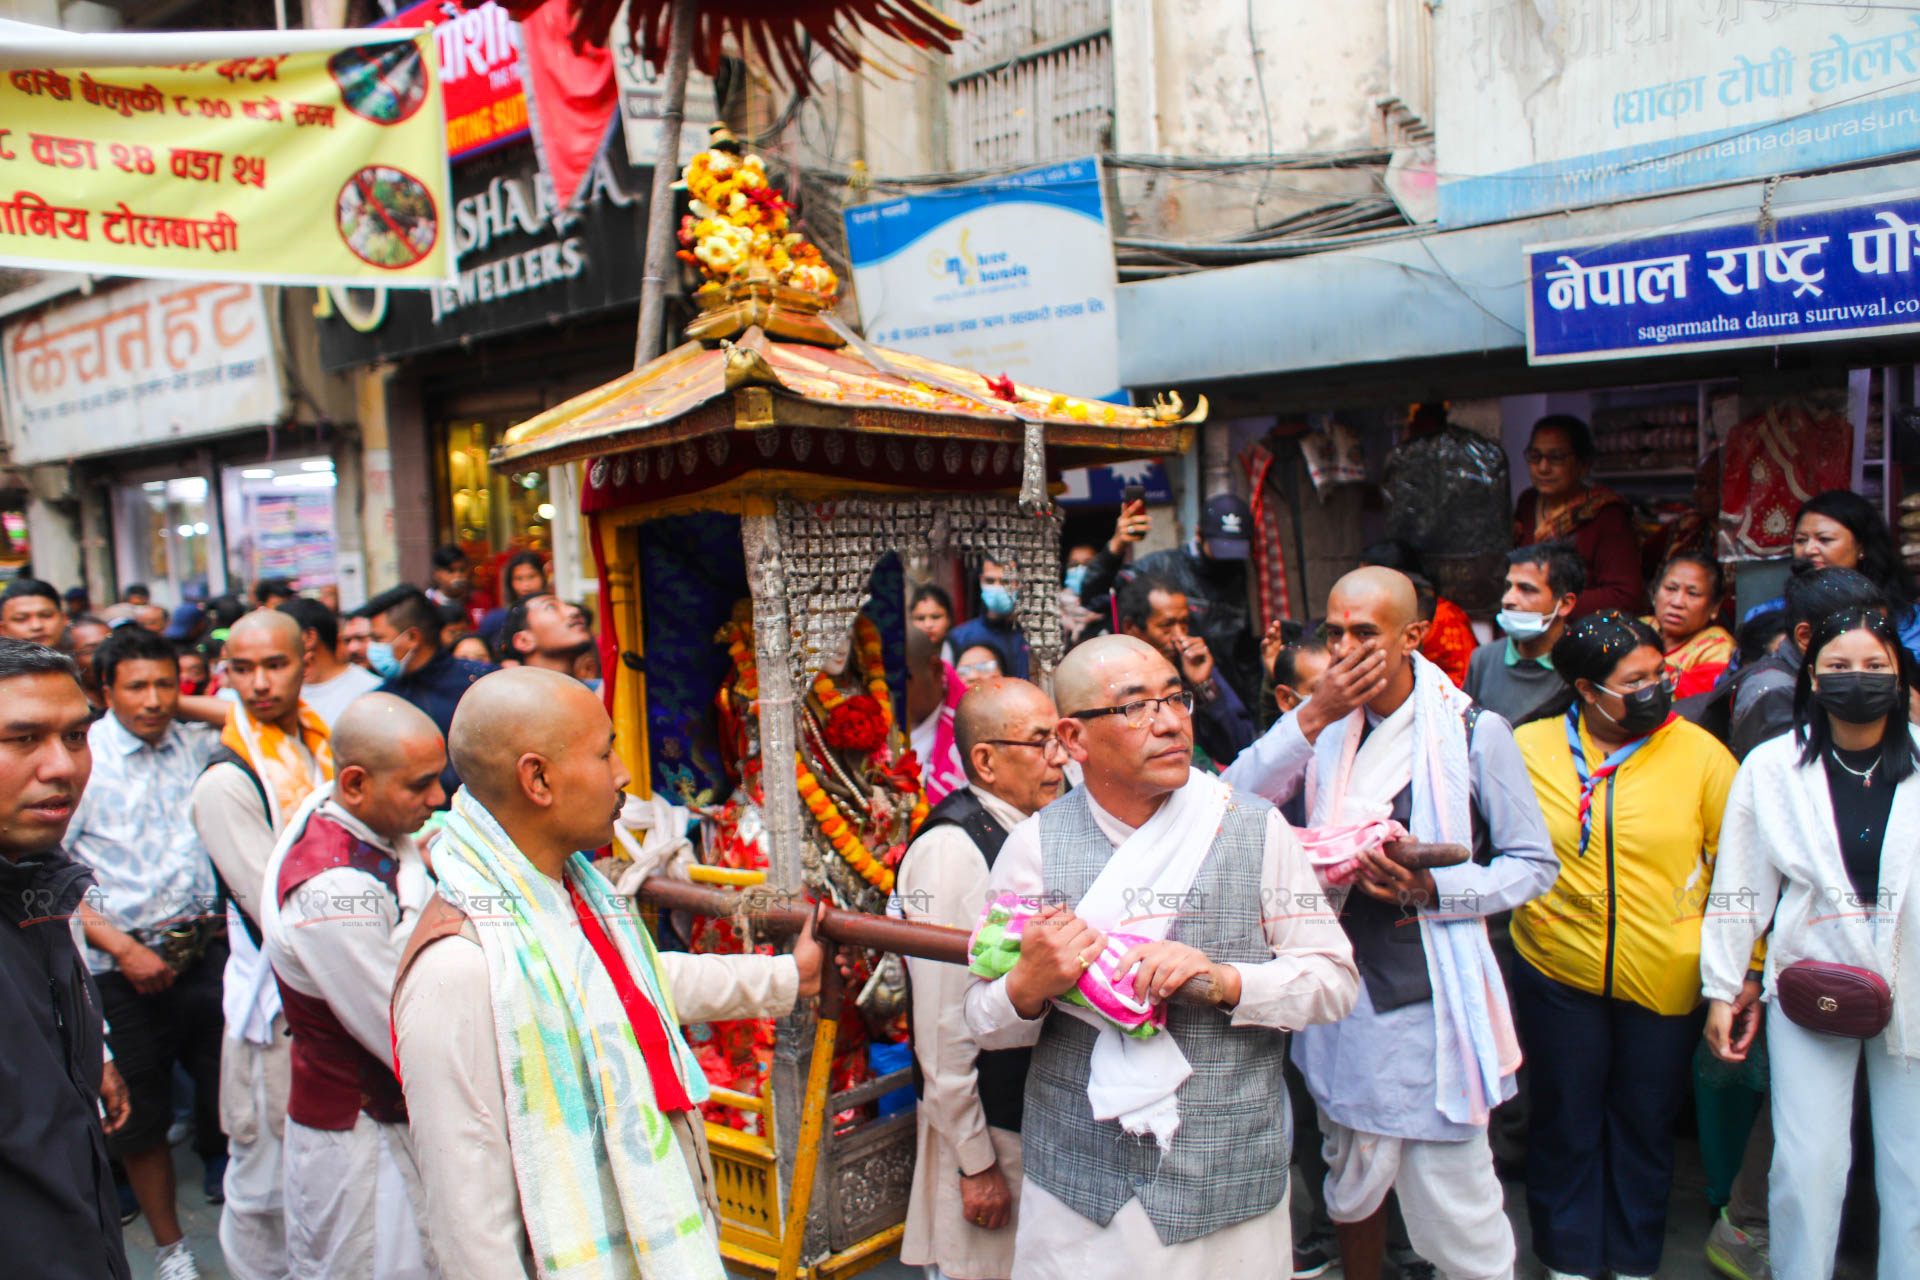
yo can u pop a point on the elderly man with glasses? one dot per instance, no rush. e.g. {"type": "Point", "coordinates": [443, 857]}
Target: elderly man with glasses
{"type": "Point", "coordinates": [967, 1179]}
{"type": "Point", "coordinates": [1163, 1155]}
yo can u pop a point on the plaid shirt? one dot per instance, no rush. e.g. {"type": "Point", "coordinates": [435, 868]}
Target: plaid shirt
{"type": "Point", "coordinates": [134, 827]}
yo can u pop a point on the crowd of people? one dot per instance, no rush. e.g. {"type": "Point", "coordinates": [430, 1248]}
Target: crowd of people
{"type": "Point", "coordinates": [211, 732]}
{"type": "Point", "coordinates": [1360, 893]}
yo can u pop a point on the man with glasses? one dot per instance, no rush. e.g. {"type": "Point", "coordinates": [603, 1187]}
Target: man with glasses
{"type": "Point", "coordinates": [966, 1181]}
{"type": "Point", "coordinates": [1156, 1155]}
{"type": "Point", "coordinates": [1402, 1107]}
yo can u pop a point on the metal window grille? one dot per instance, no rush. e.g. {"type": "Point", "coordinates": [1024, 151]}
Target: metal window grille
{"type": "Point", "coordinates": [1033, 81]}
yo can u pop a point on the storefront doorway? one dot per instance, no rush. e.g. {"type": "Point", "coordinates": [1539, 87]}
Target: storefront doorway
{"type": "Point", "coordinates": [166, 535]}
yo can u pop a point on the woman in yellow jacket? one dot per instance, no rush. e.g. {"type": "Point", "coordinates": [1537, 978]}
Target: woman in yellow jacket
{"type": "Point", "coordinates": [1607, 987]}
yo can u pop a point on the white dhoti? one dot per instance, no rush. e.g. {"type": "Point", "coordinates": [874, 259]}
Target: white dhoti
{"type": "Point", "coordinates": [1450, 1197]}
{"type": "Point", "coordinates": [253, 1233]}
{"type": "Point", "coordinates": [352, 1200]}
{"type": "Point", "coordinates": [1056, 1243]}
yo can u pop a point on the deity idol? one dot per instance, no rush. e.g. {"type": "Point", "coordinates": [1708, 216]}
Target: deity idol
{"type": "Point", "coordinates": [862, 797]}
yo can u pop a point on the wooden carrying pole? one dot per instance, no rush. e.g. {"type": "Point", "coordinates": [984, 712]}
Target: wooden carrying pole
{"type": "Point", "coordinates": [778, 915]}
{"type": "Point", "coordinates": [813, 1119]}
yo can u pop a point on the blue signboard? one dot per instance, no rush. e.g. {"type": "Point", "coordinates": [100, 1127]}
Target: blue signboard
{"type": "Point", "coordinates": [1813, 273]}
{"type": "Point", "coordinates": [1012, 277]}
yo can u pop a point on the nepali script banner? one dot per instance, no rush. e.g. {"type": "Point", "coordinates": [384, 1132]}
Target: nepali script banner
{"type": "Point", "coordinates": [1817, 272]}
{"type": "Point", "coordinates": [316, 168]}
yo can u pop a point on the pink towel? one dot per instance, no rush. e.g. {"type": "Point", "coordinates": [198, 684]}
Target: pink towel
{"type": "Point", "coordinates": [1335, 851]}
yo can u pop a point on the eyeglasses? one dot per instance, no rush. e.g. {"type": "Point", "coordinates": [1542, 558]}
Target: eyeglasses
{"type": "Point", "coordinates": [1537, 456]}
{"type": "Point", "coordinates": [1664, 679]}
{"type": "Point", "coordinates": [1141, 710]}
{"type": "Point", "coordinates": [1048, 746]}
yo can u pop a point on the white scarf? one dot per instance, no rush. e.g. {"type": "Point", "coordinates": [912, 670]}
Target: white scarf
{"type": "Point", "coordinates": [1424, 742]}
{"type": "Point", "coordinates": [249, 997]}
{"type": "Point", "coordinates": [1135, 1079]}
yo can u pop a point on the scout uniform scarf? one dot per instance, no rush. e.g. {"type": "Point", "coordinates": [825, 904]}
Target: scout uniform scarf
{"type": "Point", "coordinates": [604, 1190]}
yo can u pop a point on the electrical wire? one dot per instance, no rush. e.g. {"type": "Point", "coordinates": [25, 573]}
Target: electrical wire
{"type": "Point", "coordinates": [1266, 111]}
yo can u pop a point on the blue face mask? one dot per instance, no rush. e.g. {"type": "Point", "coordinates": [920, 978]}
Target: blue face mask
{"type": "Point", "coordinates": [997, 599]}
{"type": "Point", "coordinates": [385, 664]}
{"type": "Point", "coordinates": [1076, 578]}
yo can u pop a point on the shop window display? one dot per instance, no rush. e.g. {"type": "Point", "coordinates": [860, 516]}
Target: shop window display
{"type": "Point", "coordinates": [280, 522]}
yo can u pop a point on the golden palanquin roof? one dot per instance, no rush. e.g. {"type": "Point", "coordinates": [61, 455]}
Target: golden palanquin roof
{"type": "Point", "coordinates": [760, 381]}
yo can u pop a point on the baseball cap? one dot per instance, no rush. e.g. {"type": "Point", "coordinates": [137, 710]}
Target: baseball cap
{"type": "Point", "coordinates": [184, 618]}
{"type": "Point", "coordinates": [1227, 524]}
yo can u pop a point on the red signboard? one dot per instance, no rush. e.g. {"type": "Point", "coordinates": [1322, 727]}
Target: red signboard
{"type": "Point", "coordinates": [479, 73]}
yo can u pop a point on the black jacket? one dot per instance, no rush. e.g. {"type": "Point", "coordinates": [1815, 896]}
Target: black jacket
{"type": "Point", "coordinates": [1216, 592]}
{"type": "Point", "coordinates": [56, 1189]}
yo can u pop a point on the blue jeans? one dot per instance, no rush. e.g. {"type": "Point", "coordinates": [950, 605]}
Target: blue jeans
{"type": "Point", "coordinates": [1608, 1079]}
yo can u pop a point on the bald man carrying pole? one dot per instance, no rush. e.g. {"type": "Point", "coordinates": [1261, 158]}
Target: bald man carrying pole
{"type": "Point", "coordinates": [346, 886]}
{"type": "Point", "coordinates": [1405, 1081]}
{"type": "Point", "coordinates": [552, 1099]}
{"type": "Point", "coordinates": [273, 753]}
{"type": "Point", "coordinates": [1165, 1156]}
{"type": "Point", "coordinates": [966, 1182]}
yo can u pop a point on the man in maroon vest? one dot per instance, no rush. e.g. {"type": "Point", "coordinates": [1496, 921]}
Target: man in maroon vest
{"type": "Point", "coordinates": [347, 884]}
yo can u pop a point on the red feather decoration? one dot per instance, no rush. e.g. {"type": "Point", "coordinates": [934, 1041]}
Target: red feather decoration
{"type": "Point", "coordinates": [774, 30]}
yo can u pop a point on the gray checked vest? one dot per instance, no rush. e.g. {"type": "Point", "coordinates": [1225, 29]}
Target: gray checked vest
{"type": "Point", "coordinates": [1229, 1160]}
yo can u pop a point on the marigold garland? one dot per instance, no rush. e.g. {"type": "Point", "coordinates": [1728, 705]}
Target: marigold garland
{"type": "Point", "coordinates": [839, 833]}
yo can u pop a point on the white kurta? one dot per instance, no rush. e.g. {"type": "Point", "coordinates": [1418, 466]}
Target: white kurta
{"type": "Point", "coordinates": [1311, 979]}
{"type": "Point", "coordinates": [456, 1102]}
{"type": "Point", "coordinates": [340, 941]}
{"type": "Point", "coordinates": [943, 880]}
{"type": "Point", "coordinates": [232, 821]}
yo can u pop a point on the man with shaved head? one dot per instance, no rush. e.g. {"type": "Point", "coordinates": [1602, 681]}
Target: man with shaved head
{"type": "Point", "coordinates": [966, 1182]}
{"type": "Point", "coordinates": [1405, 1082]}
{"type": "Point", "coordinates": [1165, 1155]}
{"type": "Point", "coordinates": [346, 885]}
{"type": "Point", "coordinates": [273, 754]}
{"type": "Point", "coordinates": [552, 1098]}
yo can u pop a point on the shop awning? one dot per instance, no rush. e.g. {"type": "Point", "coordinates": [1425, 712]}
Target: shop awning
{"type": "Point", "coordinates": [700, 390]}
{"type": "Point", "coordinates": [1448, 293]}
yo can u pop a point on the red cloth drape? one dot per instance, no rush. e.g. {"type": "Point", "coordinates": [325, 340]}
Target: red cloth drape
{"type": "Point", "coordinates": [571, 96]}
{"type": "Point", "coordinates": [649, 1028]}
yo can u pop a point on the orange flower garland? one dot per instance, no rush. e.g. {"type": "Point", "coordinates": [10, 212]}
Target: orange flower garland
{"type": "Point", "coordinates": [839, 833]}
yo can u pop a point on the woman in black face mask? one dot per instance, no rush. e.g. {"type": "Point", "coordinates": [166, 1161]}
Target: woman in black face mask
{"type": "Point", "coordinates": [1606, 984]}
{"type": "Point", "coordinates": [1822, 842]}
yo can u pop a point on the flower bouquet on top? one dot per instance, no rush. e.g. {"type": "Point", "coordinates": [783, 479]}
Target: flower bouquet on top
{"type": "Point", "coordinates": [738, 227]}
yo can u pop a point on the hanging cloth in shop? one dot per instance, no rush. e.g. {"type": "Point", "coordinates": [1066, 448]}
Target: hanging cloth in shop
{"type": "Point", "coordinates": [1772, 463]}
{"type": "Point", "coordinates": [1267, 552]}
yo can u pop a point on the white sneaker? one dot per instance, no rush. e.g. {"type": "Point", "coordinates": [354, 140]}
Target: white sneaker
{"type": "Point", "coordinates": [175, 1262]}
{"type": "Point", "coordinates": [1562, 1275]}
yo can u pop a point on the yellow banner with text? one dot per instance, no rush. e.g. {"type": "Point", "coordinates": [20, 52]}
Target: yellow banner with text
{"type": "Point", "coordinates": [296, 168]}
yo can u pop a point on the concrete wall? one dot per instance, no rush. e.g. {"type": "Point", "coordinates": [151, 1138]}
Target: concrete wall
{"type": "Point", "coordinates": [1185, 85]}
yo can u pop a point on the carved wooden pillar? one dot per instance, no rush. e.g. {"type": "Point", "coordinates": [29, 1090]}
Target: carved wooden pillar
{"type": "Point", "coordinates": [629, 679]}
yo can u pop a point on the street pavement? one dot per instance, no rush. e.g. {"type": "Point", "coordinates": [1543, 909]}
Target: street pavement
{"type": "Point", "coordinates": [1687, 1224]}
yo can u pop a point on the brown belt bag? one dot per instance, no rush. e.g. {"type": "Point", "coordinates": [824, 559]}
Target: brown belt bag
{"type": "Point", "coordinates": [1834, 999]}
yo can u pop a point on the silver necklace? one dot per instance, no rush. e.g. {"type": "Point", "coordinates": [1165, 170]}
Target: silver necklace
{"type": "Point", "coordinates": [1865, 775]}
